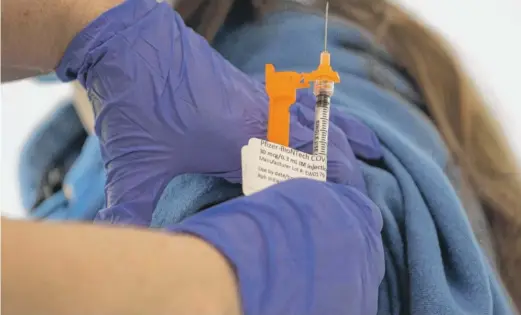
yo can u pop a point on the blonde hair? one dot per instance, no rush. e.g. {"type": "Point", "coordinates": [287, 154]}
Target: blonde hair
{"type": "Point", "coordinates": [460, 113]}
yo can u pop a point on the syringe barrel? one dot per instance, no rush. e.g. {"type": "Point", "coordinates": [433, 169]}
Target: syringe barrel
{"type": "Point", "coordinates": [323, 89]}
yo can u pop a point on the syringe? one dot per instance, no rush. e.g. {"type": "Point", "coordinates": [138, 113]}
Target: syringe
{"type": "Point", "coordinates": [323, 90]}
{"type": "Point", "coordinates": [281, 88]}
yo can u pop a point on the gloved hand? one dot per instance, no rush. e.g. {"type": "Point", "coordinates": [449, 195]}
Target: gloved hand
{"type": "Point", "coordinates": [168, 104]}
{"type": "Point", "coordinates": [301, 247]}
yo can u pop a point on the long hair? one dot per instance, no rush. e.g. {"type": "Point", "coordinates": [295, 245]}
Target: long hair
{"type": "Point", "coordinates": [462, 117]}
{"type": "Point", "coordinates": [460, 113]}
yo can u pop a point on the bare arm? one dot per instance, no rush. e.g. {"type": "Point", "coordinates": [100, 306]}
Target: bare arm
{"type": "Point", "coordinates": [85, 269]}
{"type": "Point", "coordinates": [13, 74]}
{"type": "Point", "coordinates": [35, 34]}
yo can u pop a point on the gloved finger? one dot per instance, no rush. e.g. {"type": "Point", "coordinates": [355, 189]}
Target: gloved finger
{"type": "Point", "coordinates": [361, 138]}
{"type": "Point", "coordinates": [306, 97]}
{"type": "Point", "coordinates": [344, 170]}
{"type": "Point", "coordinates": [342, 165]}
{"type": "Point", "coordinates": [341, 159]}
{"type": "Point", "coordinates": [306, 117]}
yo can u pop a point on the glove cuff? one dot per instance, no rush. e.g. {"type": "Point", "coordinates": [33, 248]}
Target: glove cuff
{"type": "Point", "coordinates": [99, 31]}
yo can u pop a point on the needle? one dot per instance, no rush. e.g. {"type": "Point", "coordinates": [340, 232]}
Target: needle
{"type": "Point", "coordinates": [325, 26]}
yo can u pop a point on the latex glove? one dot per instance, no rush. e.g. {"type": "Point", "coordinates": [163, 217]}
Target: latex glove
{"type": "Point", "coordinates": [299, 247]}
{"type": "Point", "coordinates": [168, 104]}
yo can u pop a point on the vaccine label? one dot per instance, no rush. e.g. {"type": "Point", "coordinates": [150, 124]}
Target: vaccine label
{"type": "Point", "coordinates": [265, 163]}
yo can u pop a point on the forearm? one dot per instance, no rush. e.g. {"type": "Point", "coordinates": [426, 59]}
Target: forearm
{"type": "Point", "coordinates": [13, 74]}
{"type": "Point", "coordinates": [85, 269]}
{"type": "Point", "coordinates": [35, 34]}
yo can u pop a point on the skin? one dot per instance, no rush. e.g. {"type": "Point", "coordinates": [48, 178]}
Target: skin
{"type": "Point", "coordinates": [35, 34]}
{"type": "Point", "coordinates": [15, 73]}
{"type": "Point", "coordinates": [65, 268]}
{"type": "Point", "coordinates": [54, 269]}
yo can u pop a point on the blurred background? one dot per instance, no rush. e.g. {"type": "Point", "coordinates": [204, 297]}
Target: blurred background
{"type": "Point", "coordinates": [485, 34]}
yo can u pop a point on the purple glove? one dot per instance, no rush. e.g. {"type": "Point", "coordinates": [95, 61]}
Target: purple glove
{"type": "Point", "coordinates": [168, 104]}
{"type": "Point", "coordinates": [300, 247]}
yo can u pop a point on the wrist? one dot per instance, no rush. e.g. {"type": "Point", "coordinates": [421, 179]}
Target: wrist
{"type": "Point", "coordinates": [93, 24]}
{"type": "Point", "coordinates": [75, 16]}
{"type": "Point", "coordinates": [79, 14]}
